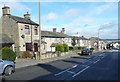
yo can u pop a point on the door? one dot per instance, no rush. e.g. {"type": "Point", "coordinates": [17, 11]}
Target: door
{"type": "Point", "coordinates": [36, 47]}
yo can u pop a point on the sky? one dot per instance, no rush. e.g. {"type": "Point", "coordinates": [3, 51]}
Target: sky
{"type": "Point", "coordinates": [77, 17]}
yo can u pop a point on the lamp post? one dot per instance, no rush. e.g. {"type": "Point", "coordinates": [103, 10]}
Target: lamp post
{"type": "Point", "coordinates": [98, 38]}
{"type": "Point", "coordinates": [40, 51]}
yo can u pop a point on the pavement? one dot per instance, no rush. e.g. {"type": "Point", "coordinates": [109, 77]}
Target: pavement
{"type": "Point", "coordinates": [28, 62]}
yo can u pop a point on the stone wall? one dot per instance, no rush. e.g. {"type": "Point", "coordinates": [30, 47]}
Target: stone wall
{"type": "Point", "coordinates": [58, 54]}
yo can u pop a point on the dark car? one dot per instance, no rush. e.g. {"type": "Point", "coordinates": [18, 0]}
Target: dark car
{"type": "Point", "coordinates": [86, 51]}
{"type": "Point", "coordinates": [7, 67]}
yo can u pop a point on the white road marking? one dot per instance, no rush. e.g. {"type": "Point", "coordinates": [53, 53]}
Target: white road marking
{"type": "Point", "coordinates": [71, 72]}
{"type": "Point", "coordinates": [80, 71]}
{"type": "Point", "coordinates": [74, 66]}
{"type": "Point", "coordinates": [65, 70]}
{"type": "Point", "coordinates": [97, 61]}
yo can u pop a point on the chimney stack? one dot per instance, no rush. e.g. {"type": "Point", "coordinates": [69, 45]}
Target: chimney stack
{"type": "Point", "coordinates": [6, 11]}
{"type": "Point", "coordinates": [27, 16]}
{"type": "Point", "coordinates": [54, 29]}
{"type": "Point", "coordinates": [63, 30]}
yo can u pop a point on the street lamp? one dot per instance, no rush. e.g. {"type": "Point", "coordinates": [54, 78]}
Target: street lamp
{"type": "Point", "coordinates": [40, 51]}
{"type": "Point", "coordinates": [98, 37]}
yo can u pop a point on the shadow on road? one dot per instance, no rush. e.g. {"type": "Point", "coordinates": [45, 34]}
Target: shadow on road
{"type": "Point", "coordinates": [70, 61]}
{"type": "Point", "coordinates": [49, 68]}
{"type": "Point", "coordinates": [80, 57]}
{"type": "Point", "coordinates": [53, 70]}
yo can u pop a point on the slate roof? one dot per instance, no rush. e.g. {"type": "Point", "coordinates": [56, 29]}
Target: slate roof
{"type": "Point", "coordinates": [5, 39]}
{"type": "Point", "coordinates": [54, 34]}
{"type": "Point", "coordinates": [23, 20]}
{"type": "Point", "coordinates": [53, 44]}
{"type": "Point", "coordinates": [78, 38]}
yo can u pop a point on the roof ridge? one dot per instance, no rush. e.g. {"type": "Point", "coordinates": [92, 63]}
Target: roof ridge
{"type": "Point", "coordinates": [22, 20]}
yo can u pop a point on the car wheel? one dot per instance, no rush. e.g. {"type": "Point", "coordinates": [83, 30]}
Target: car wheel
{"type": "Point", "coordinates": [8, 70]}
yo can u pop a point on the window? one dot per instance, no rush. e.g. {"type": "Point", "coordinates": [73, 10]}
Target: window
{"type": "Point", "coordinates": [29, 47]}
{"type": "Point", "coordinates": [27, 30]}
{"type": "Point", "coordinates": [35, 30]}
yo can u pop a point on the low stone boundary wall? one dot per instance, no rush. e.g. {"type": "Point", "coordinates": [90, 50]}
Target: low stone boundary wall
{"type": "Point", "coordinates": [58, 54]}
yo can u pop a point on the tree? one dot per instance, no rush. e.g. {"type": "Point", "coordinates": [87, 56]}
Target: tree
{"type": "Point", "coordinates": [73, 42]}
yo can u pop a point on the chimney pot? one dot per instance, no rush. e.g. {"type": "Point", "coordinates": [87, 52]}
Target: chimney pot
{"type": "Point", "coordinates": [54, 29]}
{"type": "Point", "coordinates": [27, 16]}
{"type": "Point", "coordinates": [63, 30]}
{"type": "Point", "coordinates": [6, 10]}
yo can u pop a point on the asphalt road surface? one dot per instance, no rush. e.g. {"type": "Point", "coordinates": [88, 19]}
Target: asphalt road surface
{"type": "Point", "coordinates": [99, 66]}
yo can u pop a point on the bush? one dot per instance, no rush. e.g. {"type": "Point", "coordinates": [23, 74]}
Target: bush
{"type": "Point", "coordinates": [8, 54]}
{"type": "Point", "coordinates": [79, 48]}
{"type": "Point", "coordinates": [66, 47]}
{"type": "Point", "coordinates": [91, 48]}
{"type": "Point", "coordinates": [59, 47]}
{"type": "Point", "coordinates": [73, 43]}
{"type": "Point", "coordinates": [75, 48]}
{"type": "Point", "coordinates": [27, 55]}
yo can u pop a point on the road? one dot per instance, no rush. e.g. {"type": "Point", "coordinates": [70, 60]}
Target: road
{"type": "Point", "coordinates": [99, 66]}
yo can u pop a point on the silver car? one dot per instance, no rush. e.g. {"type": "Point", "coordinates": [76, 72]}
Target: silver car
{"type": "Point", "coordinates": [7, 67]}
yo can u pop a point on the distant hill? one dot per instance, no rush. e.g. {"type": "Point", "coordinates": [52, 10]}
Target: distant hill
{"type": "Point", "coordinates": [110, 39]}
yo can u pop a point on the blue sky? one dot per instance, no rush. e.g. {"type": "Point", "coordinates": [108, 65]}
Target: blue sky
{"type": "Point", "coordinates": [82, 17]}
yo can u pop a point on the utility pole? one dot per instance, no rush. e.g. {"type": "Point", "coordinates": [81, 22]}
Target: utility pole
{"type": "Point", "coordinates": [98, 39]}
{"type": "Point", "coordinates": [40, 51]}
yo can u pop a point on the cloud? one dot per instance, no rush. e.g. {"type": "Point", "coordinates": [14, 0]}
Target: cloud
{"type": "Point", "coordinates": [85, 19]}
{"type": "Point", "coordinates": [103, 8]}
{"type": "Point", "coordinates": [108, 26]}
{"type": "Point", "coordinates": [86, 25]}
{"type": "Point", "coordinates": [72, 29]}
{"type": "Point", "coordinates": [49, 17]}
{"type": "Point", "coordinates": [72, 12]}
{"type": "Point", "coordinates": [15, 6]}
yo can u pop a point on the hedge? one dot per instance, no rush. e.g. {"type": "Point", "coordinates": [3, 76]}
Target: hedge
{"type": "Point", "coordinates": [75, 48]}
{"type": "Point", "coordinates": [91, 48]}
{"type": "Point", "coordinates": [59, 47]}
{"type": "Point", "coordinates": [8, 54]}
{"type": "Point", "coordinates": [66, 47]}
{"type": "Point", "coordinates": [79, 48]}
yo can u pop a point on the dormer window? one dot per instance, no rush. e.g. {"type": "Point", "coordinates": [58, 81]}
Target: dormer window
{"type": "Point", "coordinates": [35, 30]}
{"type": "Point", "coordinates": [27, 30]}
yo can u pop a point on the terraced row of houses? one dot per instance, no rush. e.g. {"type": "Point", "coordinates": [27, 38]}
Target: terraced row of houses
{"type": "Point", "coordinates": [23, 34]}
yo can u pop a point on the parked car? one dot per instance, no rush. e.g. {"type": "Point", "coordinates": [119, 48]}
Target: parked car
{"type": "Point", "coordinates": [86, 51]}
{"type": "Point", "coordinates": [7, 67]}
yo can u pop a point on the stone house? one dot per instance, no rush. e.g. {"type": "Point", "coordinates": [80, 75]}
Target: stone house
{"type": "Point", "coordinates": [97, 43]}
{"type": "Point", "coordinates": [81, 41]}
{"type": "Point", "coordinates": [54, 38]}
{"type": "Point", "coordinates": [6, 41]}
{"type": "Point", "coordinates": [23, 31]}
